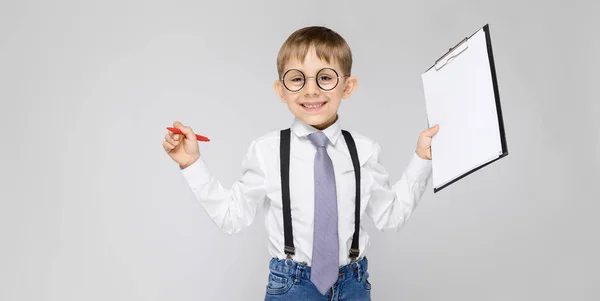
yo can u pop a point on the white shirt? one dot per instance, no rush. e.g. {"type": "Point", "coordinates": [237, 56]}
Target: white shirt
{"type": "Point", "coordinates": [234, 208]}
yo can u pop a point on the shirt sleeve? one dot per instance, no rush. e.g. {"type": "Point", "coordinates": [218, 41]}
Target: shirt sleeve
{"type": "Point", "coordinates": [232, 209]}
{"type": "Point", "coordinates": [390, 206]}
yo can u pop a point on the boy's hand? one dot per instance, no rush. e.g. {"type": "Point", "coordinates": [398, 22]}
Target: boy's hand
{"type": "Point", "coordinates": [182, 149]}
{"type": "Point", "coordinates": [424, 143]}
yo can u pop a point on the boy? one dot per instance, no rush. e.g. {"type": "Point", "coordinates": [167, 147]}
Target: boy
{"type": "Point", "coordinates": [306, 177]}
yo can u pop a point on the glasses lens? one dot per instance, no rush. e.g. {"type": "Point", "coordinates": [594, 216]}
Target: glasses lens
{"type": "Point", "coordinates": [293, 80]}
{"type": "Point", "coordinates": [327, 79]}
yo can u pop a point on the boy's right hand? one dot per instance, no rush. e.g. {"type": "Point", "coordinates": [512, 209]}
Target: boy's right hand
{"type": "Point", "coordinates": [182, 149]}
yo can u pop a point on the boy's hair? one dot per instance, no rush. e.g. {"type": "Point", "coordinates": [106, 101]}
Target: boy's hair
{"type": "Point", "coordinates": [328, 44]}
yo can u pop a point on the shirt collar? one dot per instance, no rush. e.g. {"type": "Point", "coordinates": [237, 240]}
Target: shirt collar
{"type": "Point", "coordinates": [302, 129]}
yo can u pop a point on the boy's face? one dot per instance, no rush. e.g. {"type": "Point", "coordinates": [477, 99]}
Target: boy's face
{"type": "Point", "coordinates": [312, 104]}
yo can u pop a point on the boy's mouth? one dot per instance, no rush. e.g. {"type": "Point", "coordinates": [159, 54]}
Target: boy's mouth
{"type": "Point", "coordinates": [313, 106]}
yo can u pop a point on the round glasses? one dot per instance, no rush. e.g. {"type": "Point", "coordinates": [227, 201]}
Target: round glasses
{"type": "Point", "coordinates": [327, 79]}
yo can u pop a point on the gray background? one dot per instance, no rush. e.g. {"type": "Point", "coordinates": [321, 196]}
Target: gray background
{"type": "Point", "coordinates": [93, 209]}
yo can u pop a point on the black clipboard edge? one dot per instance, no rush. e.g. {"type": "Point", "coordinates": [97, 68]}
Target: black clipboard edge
{"type": "Point", "coordinates": [488, 40]}
{"type": "Point", "coordinates": [435, 190]}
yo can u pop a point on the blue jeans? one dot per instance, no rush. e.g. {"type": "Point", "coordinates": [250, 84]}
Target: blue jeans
{"type": "Point", "coordinates": [290, 280]}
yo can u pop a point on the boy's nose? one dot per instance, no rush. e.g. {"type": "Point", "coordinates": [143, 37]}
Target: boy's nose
{"type": "Point", "coordinates": [311, 88]}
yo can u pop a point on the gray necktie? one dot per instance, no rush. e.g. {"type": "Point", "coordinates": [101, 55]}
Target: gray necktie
{"type": "Point", "coordinates": [325, 265]}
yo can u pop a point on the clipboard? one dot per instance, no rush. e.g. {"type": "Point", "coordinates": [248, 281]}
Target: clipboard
{"type": "Point", "coordinates": [462, 96]}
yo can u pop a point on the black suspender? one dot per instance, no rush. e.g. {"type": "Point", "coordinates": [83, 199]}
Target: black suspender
{"type": "Point", "coordinates": [354, 250]}
{"type": "Point", "coordinates": [284, 152]}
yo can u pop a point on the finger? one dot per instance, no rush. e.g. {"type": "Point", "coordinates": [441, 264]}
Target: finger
{"type": "Point", "coordinates": [189, 134]}
{"type": "Point", "coordinates": [174, 136]}
{"type": "Point", "coordinates": [432, 130]}
{"type": "Point", "coordinates": [168, 146]}
{"type": "Point", "coordinates": [169, 138]}
{"type": "Point", "coordinates": [176, 125]}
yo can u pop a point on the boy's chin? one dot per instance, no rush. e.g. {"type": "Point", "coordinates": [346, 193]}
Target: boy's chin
{"type": "Point", "coordinates": [318, 121]}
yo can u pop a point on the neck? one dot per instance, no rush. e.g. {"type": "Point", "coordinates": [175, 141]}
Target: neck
{"type": "Point", "coordinates": [326, 124]}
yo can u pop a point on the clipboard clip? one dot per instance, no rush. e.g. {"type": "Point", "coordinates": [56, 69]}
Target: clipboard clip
{"type": "Point", "coordinates": [456, 51]}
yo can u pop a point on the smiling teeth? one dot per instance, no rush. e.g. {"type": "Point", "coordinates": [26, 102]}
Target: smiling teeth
{"type": "Point", "coordinates": [313, 106]}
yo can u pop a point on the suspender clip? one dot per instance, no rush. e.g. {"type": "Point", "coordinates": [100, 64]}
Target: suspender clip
{"type": "Point", "coordinates": [289, 251]}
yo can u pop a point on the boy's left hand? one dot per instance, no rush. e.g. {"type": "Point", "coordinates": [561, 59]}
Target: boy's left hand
{"type": "Point", "coordinates": [424, 144]}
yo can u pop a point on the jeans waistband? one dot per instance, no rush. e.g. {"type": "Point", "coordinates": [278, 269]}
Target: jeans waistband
{"type": "Point", "coordinates": [301, 270]}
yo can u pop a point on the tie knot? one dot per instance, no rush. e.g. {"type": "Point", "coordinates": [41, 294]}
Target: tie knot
{"type": "Point", "coordinates": [318, 139]}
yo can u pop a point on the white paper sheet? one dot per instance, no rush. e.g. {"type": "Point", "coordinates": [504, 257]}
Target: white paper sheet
{"type": "Point", "coordinates": [460, 98]}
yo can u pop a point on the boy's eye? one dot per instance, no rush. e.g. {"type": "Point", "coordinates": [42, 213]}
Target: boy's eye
{"type": "Point", "coordinates": [325, 78]}
{"type": "Point", "coordinates": [297, 79]}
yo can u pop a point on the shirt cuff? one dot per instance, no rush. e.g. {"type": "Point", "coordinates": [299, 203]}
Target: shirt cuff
{"type": "Point", "coordinates": [197, 174]}
{"type": "Point", "coordinates": [418, 169]}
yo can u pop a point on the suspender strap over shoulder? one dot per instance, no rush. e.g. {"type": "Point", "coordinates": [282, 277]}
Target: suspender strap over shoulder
{"type": "Point", "coordinates": [354, 250]}
{"type": "Point", "coordinates": [284, 152]}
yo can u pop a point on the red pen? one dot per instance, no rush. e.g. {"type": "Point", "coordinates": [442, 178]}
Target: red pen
{"type": "Point", "coordinates": [178, 131]}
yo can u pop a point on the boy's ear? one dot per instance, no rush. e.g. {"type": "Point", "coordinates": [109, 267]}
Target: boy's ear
{"type": "Point", "coordinates": [350, 86]}
{"type": "Point", "coordinates": [278, 86]}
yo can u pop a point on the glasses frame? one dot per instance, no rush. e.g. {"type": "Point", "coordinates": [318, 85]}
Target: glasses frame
{"type": "Point", "coordinates": [306, 78]}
